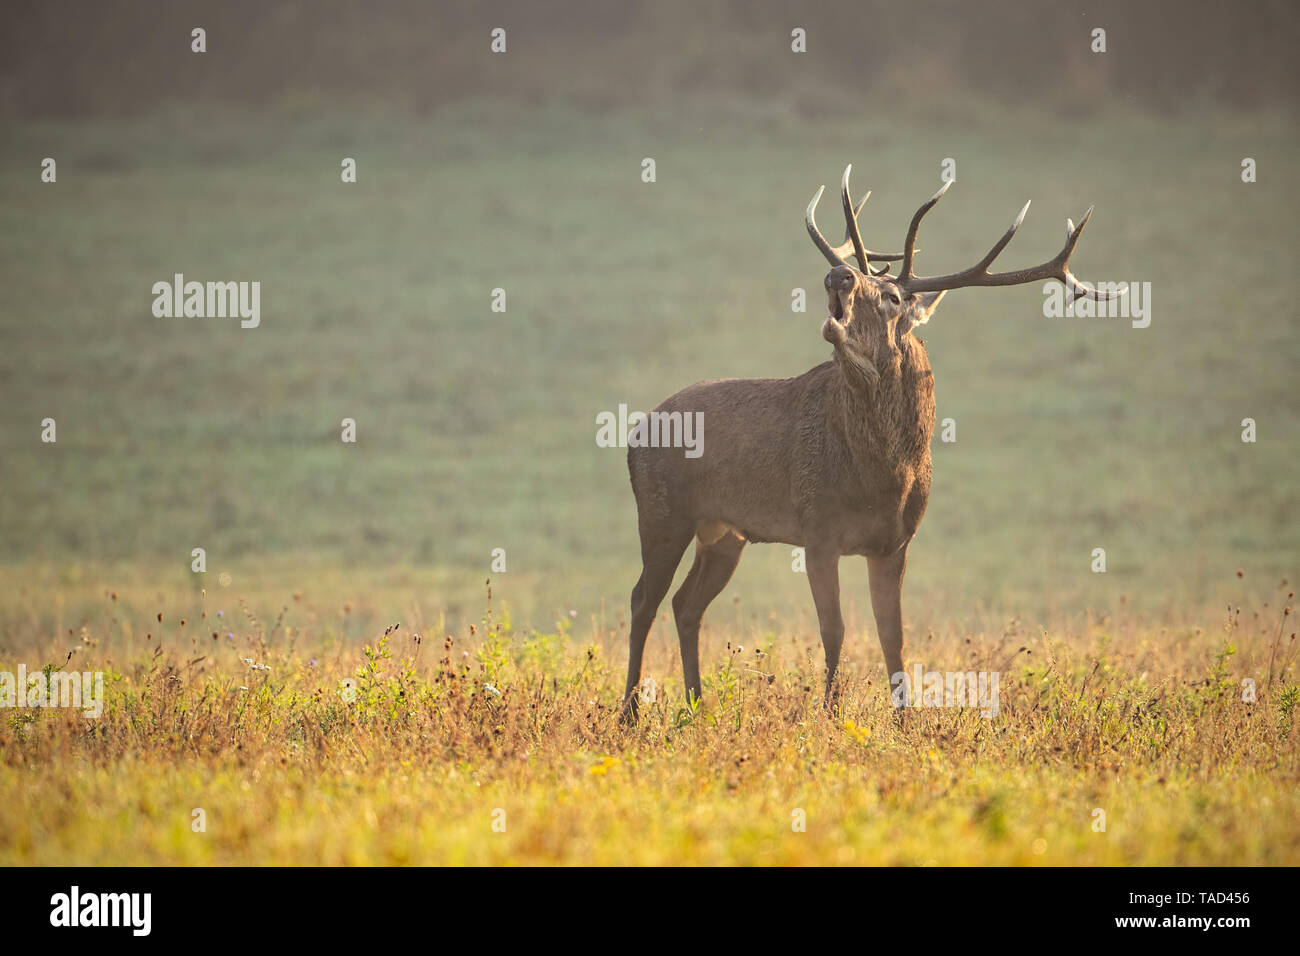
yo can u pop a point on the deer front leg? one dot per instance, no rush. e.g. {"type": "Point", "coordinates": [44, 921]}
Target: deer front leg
{"type": "Point", "coordinates": [886, 577]}
{"type": "Point", "coordinates": [824, 579]}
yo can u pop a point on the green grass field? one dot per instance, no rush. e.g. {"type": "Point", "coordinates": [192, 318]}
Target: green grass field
{"type": "Point", "coordinates": [476, 431]}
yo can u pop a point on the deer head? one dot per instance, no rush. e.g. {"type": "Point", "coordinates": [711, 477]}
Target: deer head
{"type": "Point", "coordinates": [870, 311]}
{"type": "Point", "coordinates": [867, 313]}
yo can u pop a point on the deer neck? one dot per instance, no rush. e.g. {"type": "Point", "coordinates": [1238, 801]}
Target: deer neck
{"type": "Point", "coordinates": [884, 403]}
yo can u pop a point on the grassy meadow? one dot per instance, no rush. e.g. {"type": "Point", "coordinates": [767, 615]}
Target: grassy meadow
{"type": "Point", "coordinates": [1116, 744]}
{"type": "Point", "coordinates": [1120, 692]}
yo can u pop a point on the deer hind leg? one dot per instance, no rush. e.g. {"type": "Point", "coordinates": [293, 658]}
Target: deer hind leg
{"type": "Point", "coordinates": [715, 562]}
{"type": "Point", "coordinates": [661, 552]}
{"type": "Point", "coordinates": [886, 577]}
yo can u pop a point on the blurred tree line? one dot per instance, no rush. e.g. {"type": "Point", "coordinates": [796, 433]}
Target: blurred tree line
{"type": "Point", "coordinates": [87, 57]}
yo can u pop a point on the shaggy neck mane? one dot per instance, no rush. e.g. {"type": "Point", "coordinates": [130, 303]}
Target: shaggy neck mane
{"type": "Point", "coordinates": [883, 405]}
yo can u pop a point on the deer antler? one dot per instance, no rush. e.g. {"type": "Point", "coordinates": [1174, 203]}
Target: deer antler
{"type": "Point", "coordinates": [835, 255]}
{"type": "Point", "coordinates": [979, 275]}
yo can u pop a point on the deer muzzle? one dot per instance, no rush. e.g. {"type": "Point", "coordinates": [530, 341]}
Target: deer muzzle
{"type": "Point", "coordinates": [839, 282]}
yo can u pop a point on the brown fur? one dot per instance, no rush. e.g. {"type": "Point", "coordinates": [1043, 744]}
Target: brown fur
{"type": "Point", "coordinates": [836, 460]}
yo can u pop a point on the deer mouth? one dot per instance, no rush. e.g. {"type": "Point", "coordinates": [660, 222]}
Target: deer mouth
{"type": "Point", "coordinates": [833, 330]}
{"type": "Point", "coordinates": [836, 306]}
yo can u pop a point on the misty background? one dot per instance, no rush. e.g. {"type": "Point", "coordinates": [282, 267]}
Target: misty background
{"type": "Point", "coordinates": [522, 171]}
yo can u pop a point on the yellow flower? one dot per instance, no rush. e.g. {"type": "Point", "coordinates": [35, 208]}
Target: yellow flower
{"type": "Point", "coordinates": [860, 734]}
{"type": "Point", "coordinates": [602, 768]}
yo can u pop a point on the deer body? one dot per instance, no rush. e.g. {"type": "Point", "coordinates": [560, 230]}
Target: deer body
{"type": "Point", "coordinates": [818, 458]}
{"type": "Point", "coordinates": [836, 460]}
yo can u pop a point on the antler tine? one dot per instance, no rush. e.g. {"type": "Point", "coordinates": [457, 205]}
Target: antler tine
{"type": "Point", "coordinates": [1079, 290]}
{"type": "Point", "coordinates": [978, 274]}
{"type": "Point", "coordinates": [846, 247]}
{"type": "Point", "coordinates": [851, 232]}
{"type": "Point", "coordinates": [852, 244]}
{"type": "Point", "coordinates": [909, 247]}
{"type": "Point", "coordinates": [982, 266]}
{"type": "Point", "coordinates": [827, 250]}
{"type": "Point", "coordinates": [1072, 235]}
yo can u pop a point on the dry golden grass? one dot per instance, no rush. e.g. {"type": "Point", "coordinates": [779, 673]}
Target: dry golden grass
{"type": "Point", "coordinates": [504, 747]}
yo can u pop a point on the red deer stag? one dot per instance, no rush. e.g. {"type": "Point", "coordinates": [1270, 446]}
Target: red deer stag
{"type": "Point", "coordinates": [836, 460]}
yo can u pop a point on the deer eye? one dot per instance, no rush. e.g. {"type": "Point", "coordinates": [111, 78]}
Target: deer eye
{"type": "Point", "coordinates": [892, 298]}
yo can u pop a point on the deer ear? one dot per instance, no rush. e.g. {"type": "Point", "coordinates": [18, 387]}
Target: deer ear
{"type": "Point", "coordinates": [924, 305]}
